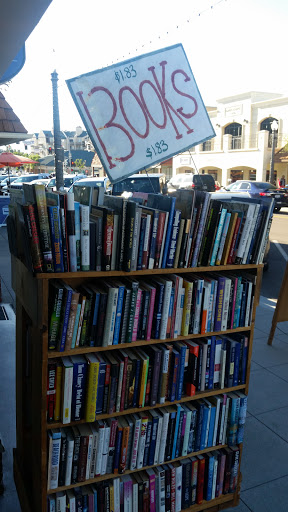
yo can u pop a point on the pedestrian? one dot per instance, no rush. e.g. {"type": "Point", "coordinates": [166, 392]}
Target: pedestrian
{"type": "Point", "coordinates": [282, 181]}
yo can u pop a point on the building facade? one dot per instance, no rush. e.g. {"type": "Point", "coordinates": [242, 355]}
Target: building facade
{"type": "Point", "coordinates": [242, 147]}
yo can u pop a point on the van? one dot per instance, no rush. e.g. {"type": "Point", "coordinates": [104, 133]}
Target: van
{"type": "Point", "coordinates": [190, 180]}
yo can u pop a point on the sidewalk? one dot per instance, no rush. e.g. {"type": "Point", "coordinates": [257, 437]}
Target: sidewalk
{"type": "Point", "coordinates": [265, 452]}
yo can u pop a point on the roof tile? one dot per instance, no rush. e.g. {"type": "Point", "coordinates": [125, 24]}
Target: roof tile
{"type": "Point", "coordinates": [9, 122]}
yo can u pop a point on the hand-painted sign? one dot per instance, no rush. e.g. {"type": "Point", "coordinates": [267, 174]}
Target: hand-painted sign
{"type": "Point", "coordinates": [141, 111]}
{"type": "Point", "coordinates": [4, 210]}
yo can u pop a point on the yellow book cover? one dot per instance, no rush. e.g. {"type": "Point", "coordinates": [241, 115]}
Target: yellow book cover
{"type": "Point", "coordinates": [111, 492]}
{"type": "Point", "coordinates": [188, 285]}
{"type": "Point", "coordinates": [144, 375]}
{"type": "Point", "coordinates": [57, 410]}
{"type": "Point", "coordinates": [229, 238]}
{"type": "Point", "coordinates": [92, 385]}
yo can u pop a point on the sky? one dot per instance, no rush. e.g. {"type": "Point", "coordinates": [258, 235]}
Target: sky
{"type": "Point", "coordinates": [233, 46]}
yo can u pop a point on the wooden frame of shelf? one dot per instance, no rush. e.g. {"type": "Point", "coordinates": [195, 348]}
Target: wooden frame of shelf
{"type": "Point", "coordinates": [30, 456]}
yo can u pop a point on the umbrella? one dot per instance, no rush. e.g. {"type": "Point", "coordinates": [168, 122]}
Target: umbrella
{"type": "Point", "coordinates": [12, 160]}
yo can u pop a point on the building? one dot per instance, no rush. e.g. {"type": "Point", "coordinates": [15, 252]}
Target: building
{"type": "Point", "coordinates": [43, 142]}
{"type": "Point", "coordinates": [242, 146]}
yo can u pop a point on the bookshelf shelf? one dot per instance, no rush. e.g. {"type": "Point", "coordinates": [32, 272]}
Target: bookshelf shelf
{"type": "Point", "coordinates": [32, 359]}
{"type": "Point", "coordinates": [141, 343]}
{"type": "Point", "coordinates": [129, 472]}
{"type": "Point", "coordinates": [199, 394]}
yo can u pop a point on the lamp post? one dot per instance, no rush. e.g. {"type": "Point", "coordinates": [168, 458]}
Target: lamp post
{"type": "Point", "coordinates": [274, 128]}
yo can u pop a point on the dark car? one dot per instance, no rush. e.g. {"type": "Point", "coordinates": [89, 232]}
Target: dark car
{"type": "Point", "coordinates": [261, 189]}
{"type": "Point", "coordinates": [190, 180]}
{"type": "Point", "coordinates": [151, 183]}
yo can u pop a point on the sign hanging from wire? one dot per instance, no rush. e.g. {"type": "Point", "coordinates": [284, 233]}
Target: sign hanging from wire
{"type": "Point", "coordinates": [141, 111]}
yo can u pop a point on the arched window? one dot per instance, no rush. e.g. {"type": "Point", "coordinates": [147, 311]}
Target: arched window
{"type": "Point", "coordinates": [234, 129]}
{"type": "Point", "coordinates": [266, 125]}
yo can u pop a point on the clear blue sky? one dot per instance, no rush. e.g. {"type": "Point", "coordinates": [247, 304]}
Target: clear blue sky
{"type": "Point", "coordinates": [236, 46]}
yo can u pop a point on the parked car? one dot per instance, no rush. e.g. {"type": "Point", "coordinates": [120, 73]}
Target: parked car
{"type": "Point", "coordinates": [69, 179]}
{"type": "Point", "coordinates": [4, 184]}
{"type": "Point", "coordinates": [261, 189]}
{"type": "Point", "coordinates": [191, 180]}
{"type": "Point", "coordinates": [91, 182]}
{"type": "Point", "coordinates": [27, 178]}
{"type": "Point", "coordinates": [41, 181]}
{"type": "Point", "coordinates": [151, 183]}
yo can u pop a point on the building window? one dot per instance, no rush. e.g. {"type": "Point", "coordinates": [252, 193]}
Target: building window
{"type": "Point", "coordinates": [252, 175]}
{"type": "Point", "coordinates": [234, 129]}
{"type": "Point", "coordinates": [236, 175]}
{"type": "Point", "coordinates": [207, 145]}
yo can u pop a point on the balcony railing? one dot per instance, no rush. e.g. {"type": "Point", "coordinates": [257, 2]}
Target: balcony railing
{"type": "Point", "coordinates": [236, 142]}
{"type": "Point", "coordinates": [207, 146]}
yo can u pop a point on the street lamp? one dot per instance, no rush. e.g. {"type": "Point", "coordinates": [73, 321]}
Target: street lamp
{"type": "Point", "coordinates": [274, 128]}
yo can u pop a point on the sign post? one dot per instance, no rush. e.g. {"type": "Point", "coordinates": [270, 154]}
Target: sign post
{"type": "Point", "coordinates": [141, 111]}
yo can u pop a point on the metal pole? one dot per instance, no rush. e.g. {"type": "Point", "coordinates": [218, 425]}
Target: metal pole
{"type": "Point", "coordinates": [57, 139]}
{"type": "Point", "coordinates": [271, 178]}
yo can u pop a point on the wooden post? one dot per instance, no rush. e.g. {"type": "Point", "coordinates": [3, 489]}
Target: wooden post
{"type": "Point", "coordinates": [281, 311]}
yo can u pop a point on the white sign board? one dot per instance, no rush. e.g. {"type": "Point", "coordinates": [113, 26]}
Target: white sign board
{"type": "Point", "coordinates": [141, 111]}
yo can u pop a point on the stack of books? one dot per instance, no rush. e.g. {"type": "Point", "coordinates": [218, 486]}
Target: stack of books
{"type": "Point", "coordinates": [97, 232]}
{"type": "Point", "coordinates": [173, 486]}
{"type": "Point", "coordinates": [161, 307]}
{"type": "Point", "coordinates": [84, 386]}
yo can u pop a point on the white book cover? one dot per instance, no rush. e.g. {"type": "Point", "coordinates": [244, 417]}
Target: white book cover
{"type": "Point", "coordinates": [142, 441]}
{"type": "Point", "coordinates": [84, 237]}
{"type": "Point", "coordinates": [70, 450]}
{"type": "Point", "coordinates": [115, 241]}
{"type": "Point", "coordinates": [128, 493]}
{"type": "Point", "coordinates": [72, 234]}
{"type": "Point", "coordinates": [99, 451]}
{"type": "Point", "coordinates": [60, 501]}
{"type": "Point", "coordinates": [94, 451]}
{"type": "Point", "coordinates": [71, 500]}
{"type": "Point", "coordinates": [67, 389]}
{"type": "Point", "coordinates": [210, 306]}
{"type": "Point", "coordinates": [135, 497]}
{"type": "Point", "coordinates": [136, 235]}
{"type": "Point", "coordinates": [217, 363]}
{"type": "Point", "coordinates": [200, 285]}
{"type": "Point", "coordinates": [178, 305]}
{"type": "Point", "coordinates": [89, 454]}
{"type": "Point", "coordinates": [153, 235]}
{"type": "Point", "coordinates": [53, 458]}
{"type": "Point", "coordinates": [246, 230]}
{"type": "Point", "coordinates": [248, 303]}
{"type": "Point", "coordinates": [164, 239]}
{"type": "Point", "coordinates": [226, 300]}
{"type": "Point", "coordinates": [178, 489]}
{"type": "Point", "coordinates": [164, 436]}
{"type": "Point", "coordinates": [116, 489]}
{"type": "Point", "coordinates": [51, 503]}
{"type": "Point", "coordinates": [160, 488]}
{"type": "Point", "coordinates": [165, 309]}
{"type": "Point", "coordinates": [216, 400]}
{"type": "Point", "coordinates": [208, 404]}
{"type": "Point", "coordinates": [135, 441]}
{"type": "Point", "coordinates": [110, 316]}
{"type": "Point", "coordinates": [223, 238]}
{"type": "Point", "coordinates": [105, 449]}
{"type": "Point", "coordinates": [186, 432]}
{"type": "Point", "coordinates": [251, 232]}
{"type": "Point", "coordinates": [158, 439]}
{"type": "Point", "coordinates": [214, 304]}
{"type": "Point", "coordinates": [218, 237]}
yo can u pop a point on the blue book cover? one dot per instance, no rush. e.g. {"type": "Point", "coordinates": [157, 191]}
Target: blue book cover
{"type": "Point", "coordinates": [179, 409]}
{"type": "Point", "coordinates": [218, 236]}
{"type": "Point", "coordinates": [170, 312]}
{"type": "Point", "coordinates": [65, 319]}
{"type": "Point", "coordinates": [174, 375]}
{"type": "Point", "coordinates": [209, 321]}
{"type": "Point", "coordinates": [136, 386]}
{"type": "Point", "coordinates": [78, 387]}
{"type": "Point", "coordinates": [238, 303]}
{"type": "Point", "coordinates": [121, 290]}
{"type": "Point", "coordinates": [77, 234]}
{"type": "Point", "coordinates": [211, 426]}
{"type": "Point", "coordinates": [94, 320]}
{"type": "Point", "coordinates": [243, 362]}
{"type": "Point", "coordinates": [219, 303]}
{"type": "Point", "coordinates": [174, 237]}
{"type": "Point", "coordinates": [243, 304]}
{"type": "Point", "coordinates": [118, 444]}
{"type": "Point", "coordinates": [157, 316]}
{"type": "Point", "coordinates": [101, 384]}
{"type": "Point", "coordinates": [212, 362]}
{"type": "Point", "coordinates": [180, 435]}
{"type": "Point", "coordinates": [204, 427]}
{"type": "Point", "coordinates": [155, 421]}
{"type": "Point", "coordinates": [242, 418]}
{"type": "Point", "coordinates": [200, 413]}
{"type": "Point", "coordinates": [141, 242]}
{"type": "Point", "coordinates": [56, 238]}
{"type": "Point", "coordinates": [180, 381]}
{"type": "Point", "coordinates": [236, 363]}
{"type": "Point", "coordinates": [233, 419]}
{"type": "Point", "coordinates": [210, 472]}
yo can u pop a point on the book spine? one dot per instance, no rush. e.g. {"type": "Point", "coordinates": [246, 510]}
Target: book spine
{"type": "Point", "coordinates": [136, 316]}
{"type": "Point", "coordinates": [78, 390]}
{"type": "Point", "coordinates": [118, 315]}
{"type": "Point", "coordinates": [54, 461]}
{"type": "Point", "coordinates": [45, 240]}
{"type": "Point", "coordinates": [108, 241]}
{"type": "Point", "coordinates": [152, 250]}
{"type": "Point", "coordinates": [56, 239]}
{"type": "Point", "coordinates": [110, 317]}
{"type": "Point", "coordinates": [71, 232]}
{"type": "Point", "coordinates": [219, 303]}
{"type": "Point", "coordinates": [168, 233]}
{"type": "Point", "coordinates": [84, 237]}
{"type": "Point", "coordinates": [174, 236]}
{"type": "Point", "coordinates": [55, 319]}
{"type": "Point", "coordinates": [30, 216]}
{"type": "Point", "coordinates": [151, 313]}
{"type": "Point", "coordinates": [51, 390]}
{"type": "Point", "coordinates": [67, 394]}
{"type": "Point", "coordinates": [91, 393]}
{"type": "Point", "coordinates": [58, 399]}
{"type": "Point", "coordinates": [146, 244]}
{"type": "Point", "coordinates": [65, 321]}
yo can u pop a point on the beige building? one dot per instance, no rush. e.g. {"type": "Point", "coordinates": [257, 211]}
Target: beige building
{"type": "Point", "coordinates": [242, 146]}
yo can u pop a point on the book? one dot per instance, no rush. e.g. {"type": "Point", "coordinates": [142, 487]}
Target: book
{"type": "Point", "coordinates": [44, 229]}
{"type": "Point", "coordinates": [54, 447]}
{"type": "Point", "coordinates": [67, 389]}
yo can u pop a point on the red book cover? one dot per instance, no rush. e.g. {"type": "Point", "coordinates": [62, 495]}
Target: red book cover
{"type": "Point", "coordinates": [124, 446]}
{"type": "Point", "coordinates": [192, 367]}
{"type": "Point", "coordinates": [106, 386]}
{"type": "Point", "coordinates": [124, 357]}
{"type": "Point", "coordinates": [51, 389]}
{"type": "Point", "coordinates": [37, 257]}
{"type": "Point", "coordinates": [200, 479]}
{"type": "Point", "coordinates": [159, 238]}
{"type": "Point", "coordinates": [82, 462]}
{"type": "Point", "coordinates": [231, 256]}
{"type": "Point", "coordinates": [108, 240]}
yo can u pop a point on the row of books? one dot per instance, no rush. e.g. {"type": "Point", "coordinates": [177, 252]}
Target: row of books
{"type": "Point", "coordinates": [78, 454]}
{"type": "Point", "coordinates": [84, 386]}
{"type": "Point", "coordinates": [112, 312]}
{"type": "Point", "coordinates": [170, 487]}
{"type": "Point", "coordinates": [146, 231]}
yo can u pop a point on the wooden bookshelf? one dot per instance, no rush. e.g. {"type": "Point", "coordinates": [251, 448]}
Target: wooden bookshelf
{"type": "Point", "coordinates": [32, 357]}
